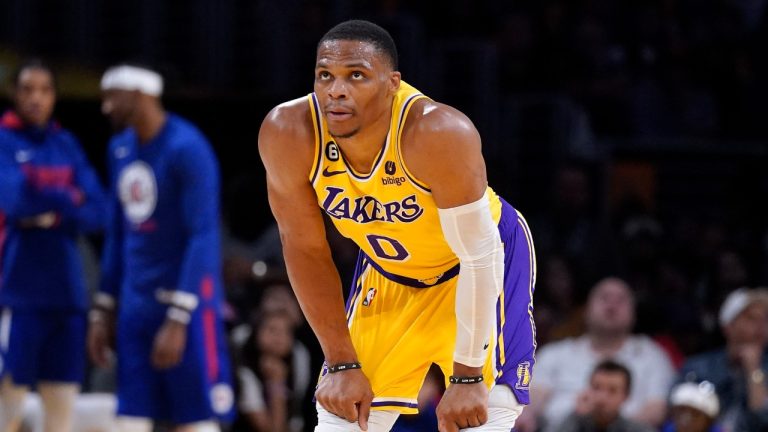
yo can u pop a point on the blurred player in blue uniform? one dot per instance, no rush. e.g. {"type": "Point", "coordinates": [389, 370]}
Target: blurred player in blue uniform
{"type": "Point", "coordinates": [50, 195]}
{"type": "Point", "coordinates": [161, 269]}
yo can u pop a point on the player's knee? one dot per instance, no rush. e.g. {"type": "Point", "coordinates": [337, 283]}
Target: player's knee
{"type": "Point", "coordinates": [12, 399]}
{"type": "Point", "coordinates": [378, 421]}
{"type": "Point", "coordinates": [202, 426]}
{"type": "Point", "coordinates": [133, 424]}
{"type": "Point", "coordinates": [58, 399]}
{"type": "Point", "coordinates": [503, 411]}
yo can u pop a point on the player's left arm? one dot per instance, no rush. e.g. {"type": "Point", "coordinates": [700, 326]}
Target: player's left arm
{"type": "Point", "coordinates": [197, 174]}
{"type": "Point", "coordinates": [89, 203]}
{"type": "Point", "coordinates": [443, 149]}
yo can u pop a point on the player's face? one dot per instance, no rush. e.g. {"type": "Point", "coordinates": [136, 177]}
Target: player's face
{"type": "Point", "coordinates": [35, 96]}
{"type": "Point", "coordinates": [608, 392]}
{"type": "Point", "coordinates": [119, 106]}
{"type": "Point", "coordinates": [354, 84]}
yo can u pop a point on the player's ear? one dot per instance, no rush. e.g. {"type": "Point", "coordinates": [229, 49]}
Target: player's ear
{"type": "Point", "coordinates": [394, 81]}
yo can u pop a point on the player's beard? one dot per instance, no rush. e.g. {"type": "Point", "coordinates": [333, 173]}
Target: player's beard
{"type": "Point", "coordinates": [346, 135]}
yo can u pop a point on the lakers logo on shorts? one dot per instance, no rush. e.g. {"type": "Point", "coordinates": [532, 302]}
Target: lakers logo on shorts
{"type": "Point", "coordinates": [523, 375]}
{"type": "Point", "coordinates": [369, 297]}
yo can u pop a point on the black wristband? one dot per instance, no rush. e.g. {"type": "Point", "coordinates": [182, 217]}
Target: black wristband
{"type": "Point", "coordinates": [465, 379]}
{"type": "Point", "coordinates": [344, 366]}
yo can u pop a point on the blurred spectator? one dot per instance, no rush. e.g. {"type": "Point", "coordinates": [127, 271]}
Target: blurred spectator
{"type": "Point", "coordinates": [559, 313]}
{"type": "Point", "coordinates": [273, 375]}
{"type": "Point", "coordinates": [563, 368]}
{"type": "Point", "coordinates": [694, 408]}
{"type": "Point", "coordinates": [570, 225]}
{"type": "Point", "coordinates": [598, 407]}
{"type": "Point", "coordinates": [737, 370]}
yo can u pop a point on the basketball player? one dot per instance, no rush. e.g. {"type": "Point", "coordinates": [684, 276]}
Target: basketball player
{"type": "Point", "coordinates": [50, 195]}
{"type": "Point", "coordinates": [161, 264]}
{"type": "Point", "coordinates": [446, 268]}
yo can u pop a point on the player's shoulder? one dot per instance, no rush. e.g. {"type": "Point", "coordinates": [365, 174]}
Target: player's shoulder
{"type": "Point", "coordinates": [288, 129]}
{"type": "Point", "coordinates": [68, 139]}
{"type": "Point", "coordinates": [120, 139]}
{"type": "Point", "coordinates": [184, 133]}
{"type": "Point", "coordinates": [291, 119]}
{"type": "Point", "coordinates": [430, 117]}
{"type": "Point", "coordinates": [436, 125]}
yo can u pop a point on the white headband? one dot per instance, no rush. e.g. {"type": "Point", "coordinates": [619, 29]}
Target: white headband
{"type": "Point", "coordinates": [132, 78]}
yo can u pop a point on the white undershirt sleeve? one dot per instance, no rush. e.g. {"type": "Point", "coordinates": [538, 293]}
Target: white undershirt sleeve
{"type": "Point", "coordinates": [474, 237]}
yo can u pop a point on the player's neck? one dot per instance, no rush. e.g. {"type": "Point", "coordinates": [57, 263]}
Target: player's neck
{"type": "Point", "coordinates": [150, 121]}
{"type": "Point", "coordinates": [361, 150]}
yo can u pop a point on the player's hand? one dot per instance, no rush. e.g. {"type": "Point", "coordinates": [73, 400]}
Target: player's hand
{"type": "Point", "coordinates": [347, 394]}
{"type": "Point", "coordinates": [462, 406]}
{"type": "Point", "coordinates": [170, 342]}
{"type": "Point", "coordinates": [100, 337]}
{"type": "Point", "coordinates": [42, 221]}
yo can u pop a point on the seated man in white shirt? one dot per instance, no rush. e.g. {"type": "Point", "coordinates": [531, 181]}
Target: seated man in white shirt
{"type": "Point", "coordinates": [563, 368]}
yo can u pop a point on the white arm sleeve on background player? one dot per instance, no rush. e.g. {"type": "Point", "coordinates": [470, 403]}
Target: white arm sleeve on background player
{"type": "Point", "coordinates": [473, 236]}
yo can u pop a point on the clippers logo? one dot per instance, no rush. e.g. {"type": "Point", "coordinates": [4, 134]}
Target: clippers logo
{"type": "Point", "coordinates": [332, 151]}
{"type": "Point", "coordinates": [137, 189]}
{"type": "Point", "coordinates": [222, 398]}
{"type": "Point", "coordinates": [523, 376]}
{"type": "Point", "coordinates": [369, 297]}
{"type": "Point", "coordinates": [390, 168]}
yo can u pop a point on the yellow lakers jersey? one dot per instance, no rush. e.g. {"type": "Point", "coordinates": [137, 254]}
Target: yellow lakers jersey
{"type": "Point", "coordinates": [387, 212]}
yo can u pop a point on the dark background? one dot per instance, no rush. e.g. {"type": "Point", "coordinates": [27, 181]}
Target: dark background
{"type": "Point", "coordinates": [659, 104]}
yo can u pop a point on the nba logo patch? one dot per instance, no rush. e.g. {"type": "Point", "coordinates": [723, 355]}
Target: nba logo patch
{"type": "Point", "coordinates": [523, 375]}
{"type": "Point", "coordinates": [369, 297]}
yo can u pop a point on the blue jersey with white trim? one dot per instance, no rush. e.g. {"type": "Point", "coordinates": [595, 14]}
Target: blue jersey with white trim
{"type": "Point", "coordinates": [163, 233]}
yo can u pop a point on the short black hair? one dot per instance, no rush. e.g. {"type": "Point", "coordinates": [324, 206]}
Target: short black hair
{"type": "Point", "coordinates": [612, 366]}
{"type": "Point", "coordinates": [364, 31]}
{"type": "Point", "coordinates": [33, 63]}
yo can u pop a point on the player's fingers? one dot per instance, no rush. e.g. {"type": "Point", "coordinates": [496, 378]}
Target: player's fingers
{"type": "Point", "coordinates": [364, 410]}
{"type": "Point", "coordinates": [159, 359]}
{"type": "Point", "coordinates": [96, 350]}
{"type": "Point", "coordinates": [332, 405]}
{"type": "Point", "coordinates": [473, 421]}
{"type": "Point", "coordinates": [448, 426]}
{"type": "Point", "coordinates": [482, 417]}
{"type": "Point", "coordinates": [349, 411]}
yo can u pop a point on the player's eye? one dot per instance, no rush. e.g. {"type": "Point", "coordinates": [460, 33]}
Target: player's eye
{"type": "Point", "coordinates": [357, 75]}
{"type": "Point", "coordinates": [323, 75]}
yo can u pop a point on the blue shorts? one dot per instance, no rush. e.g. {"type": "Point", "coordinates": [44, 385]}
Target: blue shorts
{"type": "Point", "coordinates": [197, 389]}
{"type": "Point", "coordinates": [42, 346]}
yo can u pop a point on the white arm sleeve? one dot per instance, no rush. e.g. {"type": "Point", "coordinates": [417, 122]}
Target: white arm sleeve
{"type": "Point", "coordinates": [473, 236]}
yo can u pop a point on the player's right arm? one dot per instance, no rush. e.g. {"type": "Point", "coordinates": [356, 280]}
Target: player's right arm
{"type": "Point", "coordinates": [102, 314]}
{"type": "Point", "coordinates": [286, 146]}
